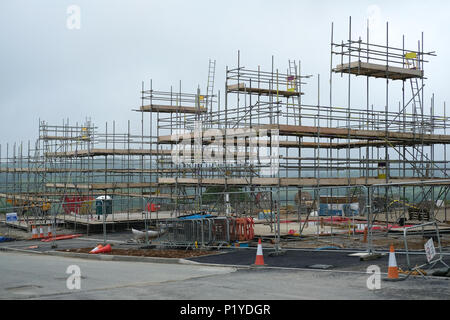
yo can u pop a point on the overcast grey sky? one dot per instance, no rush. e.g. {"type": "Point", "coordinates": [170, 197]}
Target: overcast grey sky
{"type": "Point", "coordinates": [50, 72]}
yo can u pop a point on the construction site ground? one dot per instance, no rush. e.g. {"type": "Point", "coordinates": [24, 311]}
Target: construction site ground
{"type": "Point", "coordinates": [134, 270]}
{"type": "Point", "coordinates": [302, 252]}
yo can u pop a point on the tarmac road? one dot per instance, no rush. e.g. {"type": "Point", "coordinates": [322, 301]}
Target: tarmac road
{"type": "Point", "coordinates": [335, 259]}
{"type": "Point", "coordinates": [33, 276]}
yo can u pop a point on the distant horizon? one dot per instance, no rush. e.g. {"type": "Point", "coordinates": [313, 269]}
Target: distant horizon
{"type": "Point", "coordinates": [53, 73]}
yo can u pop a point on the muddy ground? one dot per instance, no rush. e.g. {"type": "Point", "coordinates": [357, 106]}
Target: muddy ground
{"type": "Point", "coordinates": [171, 253]}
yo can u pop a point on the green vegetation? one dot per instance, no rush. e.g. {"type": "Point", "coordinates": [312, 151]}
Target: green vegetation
{"type": "Point", "coordinates": [236, 195]}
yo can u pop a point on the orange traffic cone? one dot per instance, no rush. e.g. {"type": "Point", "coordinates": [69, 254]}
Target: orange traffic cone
{"type": "Point", "coordinates": [96, 249]}
{"type": "Point", "coordinates": [259, 261]}
{"type": "Point", "coordinates": [49, 231]}
{"type": "Point", "coordinates": [105, 249]}
{"type": "Point", "coordinates": [34, 232]}
{"type": "Point", "coordinates": [393, 268]}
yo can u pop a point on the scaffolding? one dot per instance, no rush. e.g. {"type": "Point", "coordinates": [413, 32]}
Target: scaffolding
{"type": "Point", "coordinates": [267, 150]}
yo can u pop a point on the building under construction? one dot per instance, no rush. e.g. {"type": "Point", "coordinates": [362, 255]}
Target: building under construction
{"type": "Point", "coordinates": [255, 150]}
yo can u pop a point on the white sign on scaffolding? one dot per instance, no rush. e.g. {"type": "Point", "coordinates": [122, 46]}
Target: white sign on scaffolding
{"type": "Point", "coordinates": [430, 250]}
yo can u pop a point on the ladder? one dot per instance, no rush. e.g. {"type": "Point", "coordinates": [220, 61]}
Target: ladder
{"type": "Point", "coordinates": [210, 87]}
{"type": "Point", "coordinates": [418, 125]}
{"type": "Point", "coordinates": [411, 62]}
{"type": "Point", "coordinates": [417, 106]}
{"type": "Point", "coordinates": [292, 76]}
{"type": "Point", "coordinates": [292, 84]}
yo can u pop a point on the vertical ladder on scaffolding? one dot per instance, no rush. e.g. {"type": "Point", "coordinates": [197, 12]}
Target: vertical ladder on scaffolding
{"type": "Point", "coordinates": [418, 121]}
{"type": "Point", "coordinates": [292, 85]}
{"type": "Point", "coordinates": [417, 105]}
{"type": "Point", "coordinates": [293, 71]}
{"type": "Point", "coordinates": [210, 87]}
{"type": "Point", "coordinates": [43, 132]}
